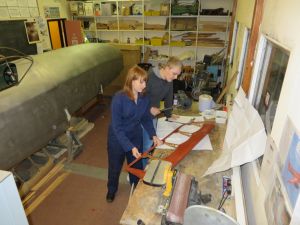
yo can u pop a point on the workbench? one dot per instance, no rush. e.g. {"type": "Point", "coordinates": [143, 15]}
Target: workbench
{"type": "Point", "coordinates": [145, 199]}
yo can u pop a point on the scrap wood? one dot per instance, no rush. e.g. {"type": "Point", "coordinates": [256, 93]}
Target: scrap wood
{"type": "Point", "coordinates": [46, 193]}
{"type": "Point", "coordinates": [227, 87]}
{"type": "Point", "coordinates": [51, 174]}
{"type": "Point", "coordinates": [43, 181]}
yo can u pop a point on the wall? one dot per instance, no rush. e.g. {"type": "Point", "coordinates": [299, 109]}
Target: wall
{"type": "Point", "coordinates": [244, 13]}
{"type": "Point", "coordinates": [62, 4]}
{"type": "Point", "coordinates": [279, 24]}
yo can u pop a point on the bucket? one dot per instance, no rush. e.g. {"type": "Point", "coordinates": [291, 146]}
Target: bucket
{"type": "Point", "coordinates": [205, 102]}
{"type": "Point", "coordinates": [203, 215]}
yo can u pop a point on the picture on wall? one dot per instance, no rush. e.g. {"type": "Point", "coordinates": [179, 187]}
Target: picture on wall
{"type": "Point", "coordinates": [32, 32]}
{"type": "Point", "coordinates": [276, 206]}
{"type": "Point", "coordinates": [291, 170]}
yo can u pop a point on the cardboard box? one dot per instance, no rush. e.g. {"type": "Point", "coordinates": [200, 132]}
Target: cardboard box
{"type": "Point", "coordinates": [156, 41]}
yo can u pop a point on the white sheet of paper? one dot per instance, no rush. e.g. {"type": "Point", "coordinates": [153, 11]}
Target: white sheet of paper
{"type": "Point", "coordinates": [177, 139]}
{"type": "Point", "coordinates": [12, 2]}
{"type": "Point", "coordinates": [14, 12]}
{"type": "Point", "coordinates": [204, 144]}
{"type": "Point", "coordinates": [2, 3]}
{"type": "Point", "coordinates": [34, 12]}
{"type": "Point", "coordinates": [32, 3]}
{"type": "Point", "coordinates": [184, 119]}
{"type": "Point", "coordinates": [189, 128]}
{"type": "Point", "coordinates": [164, 128]}
{"type": "Point", "coordinates": [296, 215]}
{"type": "Point", "coordinates": [4, 12]}
{"type": "Point", "coordinates": [245, 137]}
{"type": "Point", "coordinates": [24, 12]}
{"type": "Point", "coordinates": [198, 119]}
{"type": "Point", "coordinates": [23, 3]}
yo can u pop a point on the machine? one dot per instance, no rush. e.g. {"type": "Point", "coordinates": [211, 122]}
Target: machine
{"type": "Point", "coordinates": [32, 111]}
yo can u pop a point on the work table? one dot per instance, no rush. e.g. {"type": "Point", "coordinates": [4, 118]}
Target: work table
{"type": "Point", "coordinates": [145, 199]}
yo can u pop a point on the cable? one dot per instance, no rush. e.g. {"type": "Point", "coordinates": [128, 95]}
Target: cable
{"type": "Point", "coordinates": [23, 55]}
{"type": "Point", "coordinates": [225, 195]}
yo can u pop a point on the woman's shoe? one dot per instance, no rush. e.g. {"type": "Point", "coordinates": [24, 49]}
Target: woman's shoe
{"type": "Point", "coordinates": [110, 197]}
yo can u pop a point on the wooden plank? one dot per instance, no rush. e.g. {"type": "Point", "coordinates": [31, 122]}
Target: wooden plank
{"type": "Point", "coordinates": [256, 21]}
{"type": "Point", "coordinates": [57, 168]}
{"type": "Point", "coordinates": [46, 193]}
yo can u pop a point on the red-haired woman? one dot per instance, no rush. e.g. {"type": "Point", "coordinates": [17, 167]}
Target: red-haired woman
{"type": "Point", "coordinates": [130, 109]}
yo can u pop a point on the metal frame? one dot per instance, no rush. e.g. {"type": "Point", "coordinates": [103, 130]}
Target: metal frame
{"type": "Point", "coordinates": [178, 154]}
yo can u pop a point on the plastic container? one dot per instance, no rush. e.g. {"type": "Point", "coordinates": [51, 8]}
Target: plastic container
{"type": "Point", "coordinates": [205, 102]}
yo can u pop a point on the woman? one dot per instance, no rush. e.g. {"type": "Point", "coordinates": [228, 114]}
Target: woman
{"type": "Point", "coordinates": [130, 111]}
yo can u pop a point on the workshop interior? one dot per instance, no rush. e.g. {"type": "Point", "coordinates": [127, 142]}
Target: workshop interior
{"type": "Point", "coordinates": [232, 157]}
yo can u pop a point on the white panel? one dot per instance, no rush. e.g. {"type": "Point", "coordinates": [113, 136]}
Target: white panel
{"type": "Point", "coordinates": [11, 209]}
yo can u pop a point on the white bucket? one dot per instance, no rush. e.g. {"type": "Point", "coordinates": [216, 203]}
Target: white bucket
{"type": "Point", "coordinates": [205, 102]}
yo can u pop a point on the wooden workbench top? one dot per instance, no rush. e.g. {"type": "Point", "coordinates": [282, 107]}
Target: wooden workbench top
{"type": "Point", "coordinates": [145, 199]}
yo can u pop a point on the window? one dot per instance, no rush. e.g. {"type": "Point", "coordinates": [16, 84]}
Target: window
{"type": "Point", "coordinates": [233, 43]}
{"type": "Point", "coordinates": [242, 58]}
{"type": "Point", "coordinates": [268, 80]}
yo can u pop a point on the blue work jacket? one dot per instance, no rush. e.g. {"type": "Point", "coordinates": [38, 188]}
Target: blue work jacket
{"type": "Point", "coordinates": [126, 121]}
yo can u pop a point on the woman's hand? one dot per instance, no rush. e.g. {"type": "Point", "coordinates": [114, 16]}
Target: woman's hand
{"type": "Point", "coordinates": [135, 152]}
{"type": "Point", "coordinates": [155, 111]}
{"type": "Point", "coordinates": [157, 141]}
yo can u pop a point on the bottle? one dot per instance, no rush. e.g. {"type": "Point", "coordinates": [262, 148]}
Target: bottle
{"type": "Point", "coordinates": [175, 100]}
{"type": "Point", "coordinates": [128, 40]}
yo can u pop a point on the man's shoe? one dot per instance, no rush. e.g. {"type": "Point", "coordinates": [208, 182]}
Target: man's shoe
{"type": "Point", "coordinates": [110, 197]}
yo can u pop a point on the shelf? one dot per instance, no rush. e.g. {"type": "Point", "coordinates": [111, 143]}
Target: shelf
{"type": "Point", "coordinates": [157, 46]}
{"type": "Point", "coordinates": [191, 16]}
{"type": "Point", "coordinates": [107, 30]}
{"type": "Point", "coordinates": [158, 16]}
{"type": "Point", "coordinates": [214, 16]}
{"type": "Point", "coordinates": [84, 17]}
{"type": "Point", "coordinates": [112, 16]}
{"type": "Point", "coordinates": [132, 16]}
{"type": "Point", "coordinates": [210, 32]}
{"type": "Point", "coordinates": [185, 31]}
{"type": "Point", "coordinates": [131, 30]}
{"type": "Point", "coordinates": [156, 30]}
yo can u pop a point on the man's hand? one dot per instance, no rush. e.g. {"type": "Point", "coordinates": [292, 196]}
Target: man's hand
{"type": "Point", "coordinates": [155, 111]}
{"type": "Point", "coordinates": [135, 152]}
{"type": "Point", "coordinates": [157, 141]}
{"type": "Point", "coordinates": [173, 118]}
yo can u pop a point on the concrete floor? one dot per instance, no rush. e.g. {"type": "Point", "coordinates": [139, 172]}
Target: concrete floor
{"type": "Point", "coordinates": [80, 198]}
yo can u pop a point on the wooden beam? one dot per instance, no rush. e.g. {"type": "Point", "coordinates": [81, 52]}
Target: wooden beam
{"type": "Point", "coordinates": [256, 21]}
{"type": "Point", "coordinates": [231, 26]}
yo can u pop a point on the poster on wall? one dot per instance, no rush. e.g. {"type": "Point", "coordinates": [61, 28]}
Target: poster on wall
{"type": "Point", "coordinates": [44, 33]}
{"type": "Point", "coordinates": [51, 12]}
{"type": "Point", "coordinates": [291, 170]}
{"type": "Point", "coordinates": [267, 172]}
{"type": "Point", "coordinates": [73, 32]}
{"type": "Point", "coordinates": [32, 32]}
{"type": "Point", "coordinates": [276, 206]}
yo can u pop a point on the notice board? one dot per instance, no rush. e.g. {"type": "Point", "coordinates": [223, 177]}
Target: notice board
{"type": "Point", "coordinates": [13, 35]}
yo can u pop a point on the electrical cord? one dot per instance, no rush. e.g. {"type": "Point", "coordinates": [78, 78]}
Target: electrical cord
{"type": "Point", "coordinates": [22, 55]}
{"type": "Point", "coordinates": [225, 195]}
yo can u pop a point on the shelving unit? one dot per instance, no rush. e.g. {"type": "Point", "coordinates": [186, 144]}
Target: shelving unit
{"type": "Point", "coordinates": [163, 27]}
